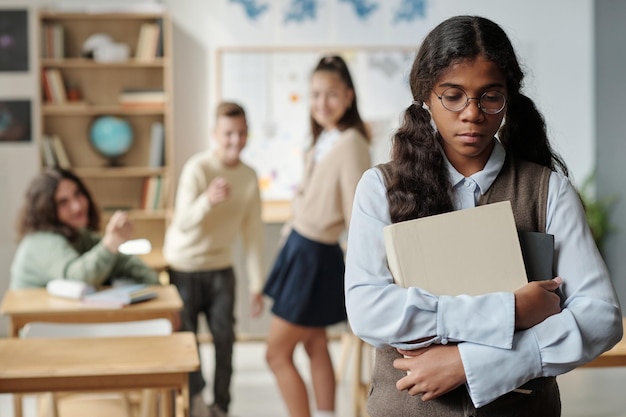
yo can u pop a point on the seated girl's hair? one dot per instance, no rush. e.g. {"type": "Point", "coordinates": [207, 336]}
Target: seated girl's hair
{"type": "Point", "coordinates": [39, 212]}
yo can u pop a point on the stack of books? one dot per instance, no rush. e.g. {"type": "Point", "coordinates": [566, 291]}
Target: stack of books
{"type": "Point", "coordinates": [152, 196]}
{"type": "Point", "coordinates": [52, 43]}
{"type": "Point", "coordinates": [53, 152]}
{"type": "Point", "coordinates": [142, 98]}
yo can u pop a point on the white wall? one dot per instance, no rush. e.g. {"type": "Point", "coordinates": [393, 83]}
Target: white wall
{"type": "Point", "coordinates": [18, 161]}
{"type": "Point", "coordinates": [610, 90]}
{"type": "Point", "coordinates": [554, 41]}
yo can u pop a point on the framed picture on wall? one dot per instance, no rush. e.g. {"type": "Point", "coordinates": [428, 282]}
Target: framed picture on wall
{"type": "Point", "coordinates": [15, 121]}
{"type": "Point", "coordinates": [13, 40]}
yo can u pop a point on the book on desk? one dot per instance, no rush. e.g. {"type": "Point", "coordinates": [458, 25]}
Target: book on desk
{"type": "Point", "coordinates": [120, 295]}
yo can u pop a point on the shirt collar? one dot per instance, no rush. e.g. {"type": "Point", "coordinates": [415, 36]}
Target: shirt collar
{"type": "Point", "coordinates": [483, 178]}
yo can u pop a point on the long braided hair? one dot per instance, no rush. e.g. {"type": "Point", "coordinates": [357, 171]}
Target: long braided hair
{"type": "Point", "coordinates": [419, 183]}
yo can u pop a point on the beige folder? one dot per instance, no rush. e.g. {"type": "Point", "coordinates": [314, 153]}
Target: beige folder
{"type": "Point", "coordinates": [472, 251]}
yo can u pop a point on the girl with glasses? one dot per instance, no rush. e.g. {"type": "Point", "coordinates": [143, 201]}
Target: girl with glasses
{"type": "Point", "coordinates": [471, 137]}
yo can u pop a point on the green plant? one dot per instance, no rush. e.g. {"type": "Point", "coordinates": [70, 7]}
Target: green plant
{"type": "Point", "coordinates": [597, 211]}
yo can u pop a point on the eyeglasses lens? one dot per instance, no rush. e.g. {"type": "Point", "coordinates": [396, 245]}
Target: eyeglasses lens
{"type": "Point", "coordinates": [455, 99]}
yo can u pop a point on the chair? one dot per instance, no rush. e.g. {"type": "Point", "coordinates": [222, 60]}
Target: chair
{"type": "Point", "coordinates": [362, 355]}
{"type": "Point", "coordinates": [154, 327]}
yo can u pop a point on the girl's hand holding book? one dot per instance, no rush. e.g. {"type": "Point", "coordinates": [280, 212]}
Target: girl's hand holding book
{"type": "Point", "coordinates": [431, 371]}
{"type": "Point", "coordinates": [535, 302]}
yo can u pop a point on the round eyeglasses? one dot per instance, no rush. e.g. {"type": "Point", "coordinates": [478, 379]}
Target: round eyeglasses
{"type": "Point", "coordinates": [455, 99]}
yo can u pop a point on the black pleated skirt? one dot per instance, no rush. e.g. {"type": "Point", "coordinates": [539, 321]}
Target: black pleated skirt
{"type": "Point", "coordinates": [307, 282]}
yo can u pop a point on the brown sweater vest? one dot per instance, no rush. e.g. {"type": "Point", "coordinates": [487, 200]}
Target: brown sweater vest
{"type": "Point", "coordinates": [525, 184]}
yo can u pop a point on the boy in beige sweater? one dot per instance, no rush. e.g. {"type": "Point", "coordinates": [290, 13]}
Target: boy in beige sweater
{"type": "Point", "coordinates": [217, 199]}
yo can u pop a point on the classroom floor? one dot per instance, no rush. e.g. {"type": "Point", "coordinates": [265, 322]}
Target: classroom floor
{"type": "Point", "coordinates": [597, 392]}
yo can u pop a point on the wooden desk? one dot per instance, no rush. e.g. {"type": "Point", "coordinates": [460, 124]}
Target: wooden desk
{"type": "Point", "coordinates": [43, 365]}
{"type": "Point", "coordinates": [276, 211]}
{"type": "Point", "coordinates": [35, 304]}
{"type": "Point", "coordinates": [614, 357]}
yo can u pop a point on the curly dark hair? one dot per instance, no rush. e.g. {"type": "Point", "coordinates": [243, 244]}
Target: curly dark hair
{"type": "Point", "coordinates": [39, 212]}
{"type": "Point", "coordinates": [420, 185]}
{"type": "Point", "coordinates": [351, 118]}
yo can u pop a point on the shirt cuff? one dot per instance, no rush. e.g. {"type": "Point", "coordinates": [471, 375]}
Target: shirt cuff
{"type": "Point", "coordinates": [487, 319]}
{"type": "Point", "coordinates": [492, 372]}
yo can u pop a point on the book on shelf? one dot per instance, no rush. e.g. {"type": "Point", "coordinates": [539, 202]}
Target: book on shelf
{"type": "Point", "coordinates": [148, 42]}
{"type": "Point", "coordinates": [47, 89]}
{"type": "Point", "coordinates": [157, 203]}
{"type": "Point", "coordinates": [54, 84]}
{"type": "Point", "coordinates": [472, 251]}
{"type": "Point", "coordinates": [48, 157]}
{"type": "Point", "coordinates": [120, 295]}
{"type": "Point", "coordinates": [142, 98]}
{"type": "Point", "coordinates": [159, 50]}
{"type": "Point", "coordinates": [157, 145]}
{"type": "Point", "coordinates": [145, 190]}
{"type": "Point", "coordinates": [152, 194]}
{"type": "Point", "coordinates": [53, 152]}
{"type": "Point", "coordinates": [52, 43]}
{"type": "Point", "coordinates": [63, 161]}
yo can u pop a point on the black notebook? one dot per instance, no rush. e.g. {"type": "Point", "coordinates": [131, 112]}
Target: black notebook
{"type": "Point", "coordinates": [538, 253]}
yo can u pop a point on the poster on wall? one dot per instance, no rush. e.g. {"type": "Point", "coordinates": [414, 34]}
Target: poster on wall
{"type": "Point", "coordinates": [318, 22]}
{"type": "Point", "coordinates": [15, 121]}
{"type": "Point", "coordinates": [13, 40]}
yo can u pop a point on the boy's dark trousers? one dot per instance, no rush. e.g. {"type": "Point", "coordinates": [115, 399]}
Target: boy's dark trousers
{"type": "Point", "coordinates": [211, 293]}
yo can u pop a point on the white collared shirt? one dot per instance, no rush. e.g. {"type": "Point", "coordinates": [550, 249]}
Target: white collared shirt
{"type": "Point", "coordinates": [384, 314]}
{"type": "Point", "coordinates": [325, 142]}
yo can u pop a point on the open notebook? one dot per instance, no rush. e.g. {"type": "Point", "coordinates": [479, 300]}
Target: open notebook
{"type": "Point", "coordinates": [121, 295]}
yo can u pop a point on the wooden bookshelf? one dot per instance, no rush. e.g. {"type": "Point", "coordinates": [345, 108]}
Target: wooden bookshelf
{"type": "Point", "coordinates": [100, 84]}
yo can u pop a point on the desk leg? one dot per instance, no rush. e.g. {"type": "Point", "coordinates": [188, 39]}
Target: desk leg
{"type": "Point", "coordinates": [167, 405]}
{"type": "Point", "coordinates": [17, 405]}
{"type": "Point", "coordinates": [183, 401]}
{"type": "Point", "coordinates": [176, 401]}
{"type": "Point", "coordinates": [13, 330]}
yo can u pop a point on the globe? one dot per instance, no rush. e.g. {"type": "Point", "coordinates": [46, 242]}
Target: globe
{"type": "Point", "coordinates": [111, 136]}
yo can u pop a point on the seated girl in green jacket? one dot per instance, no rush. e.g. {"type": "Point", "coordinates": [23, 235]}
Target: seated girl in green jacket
{"type": "Point", "coordinates": [58, 237]}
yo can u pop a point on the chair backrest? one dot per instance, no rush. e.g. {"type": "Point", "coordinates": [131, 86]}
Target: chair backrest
{"type": "Point", "coordinates": [153, 327]}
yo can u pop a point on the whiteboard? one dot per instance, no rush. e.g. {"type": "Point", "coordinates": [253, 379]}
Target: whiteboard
{"type": "Point", "coordinates": [272, 84]}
